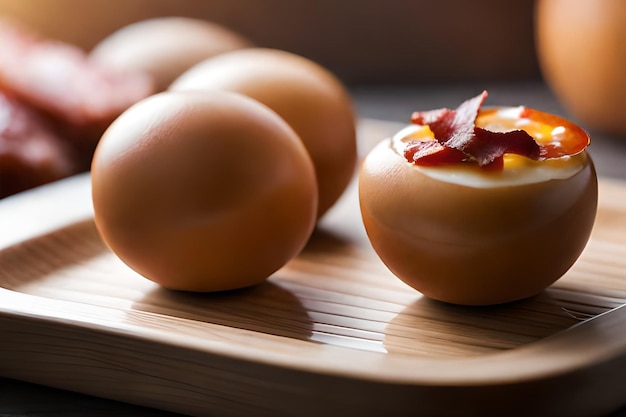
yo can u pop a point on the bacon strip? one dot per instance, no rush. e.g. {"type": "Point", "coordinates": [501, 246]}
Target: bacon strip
{"type": "Point", "coordinates": [456, 130]}
{"type": "Point", "coordinates": [57, 78]}
{"type": "Point", "coordinates": [79, 98]}
{"type": "Point", "coordinates": [431, 153]}
{"type": "Point", "coordinates": [487, 146]}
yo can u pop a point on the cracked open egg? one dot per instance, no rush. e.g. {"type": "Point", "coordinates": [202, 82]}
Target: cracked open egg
{"type": "Point", "coordinates": [480, 206]}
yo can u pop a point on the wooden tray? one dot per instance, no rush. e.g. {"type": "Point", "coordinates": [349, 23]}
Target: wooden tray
{"type": "Point", "coordinates": [333, 333]}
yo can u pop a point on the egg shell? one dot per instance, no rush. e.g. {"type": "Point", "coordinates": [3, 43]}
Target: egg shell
{"type": "Point", "coordinates": [165, 47]}
{"type": "Point", "coordinates": [310, 98]}
{"type": "Point", "coordinates": [474, 246]}
{"type": "Point", "coordinates": [580, 46]}
{"type": "Point", "coordinates": [203, 192]}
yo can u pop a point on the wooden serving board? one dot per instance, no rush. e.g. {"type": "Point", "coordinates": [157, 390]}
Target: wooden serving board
{"type": "Point", "coordinates": [333, 333]}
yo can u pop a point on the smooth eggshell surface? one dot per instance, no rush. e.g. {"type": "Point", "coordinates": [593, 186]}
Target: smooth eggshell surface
{"type": "Point", "coordinates": [308, 97]}
{"type": "Point", "coordinates": [203, 192]}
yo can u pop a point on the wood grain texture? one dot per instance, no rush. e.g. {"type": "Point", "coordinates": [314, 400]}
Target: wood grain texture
{"type": "Point", "coordinates": [331, 333]}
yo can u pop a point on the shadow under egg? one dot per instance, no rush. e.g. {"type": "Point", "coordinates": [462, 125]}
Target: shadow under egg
{"type": "Point", "coordinates": [266, 308]}
{"type": "Point", "coordinates": [323, 240]}
{"type": "Point", "coordinates": [429, 328]}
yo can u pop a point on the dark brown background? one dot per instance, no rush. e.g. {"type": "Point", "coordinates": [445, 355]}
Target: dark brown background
{"type": "Point", "coordinates": [362, 41]}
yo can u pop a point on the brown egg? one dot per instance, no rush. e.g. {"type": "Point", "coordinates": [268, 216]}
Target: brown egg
{"type": "Point", "coordinates": [580, 46]}
{"type": "Point", "coordinates": [203, 192]}
{"type": "Point", "coordinates": [165, 47]}
{"type": "Point", "coordinates": [307, 96]}
{"type": "Point", "coordinates": [463, 235]}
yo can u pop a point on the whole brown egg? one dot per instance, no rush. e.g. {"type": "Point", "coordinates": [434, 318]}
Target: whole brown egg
{"type": "Point", "coordinates": [203, 192]}
{"type": "Point", "coordinates": [581, 47]}
{"type": "Point", "coordinates": [164, 47]}
{"type": "Point", "coordinates": [306, 95]}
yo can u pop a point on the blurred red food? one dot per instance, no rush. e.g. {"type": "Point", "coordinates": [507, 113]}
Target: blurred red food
{"type": "Point", "coordinates": [31, 153]}
{"type": "Point", "coordinates": [69, 100]}
{"type": "Point", "coordinates": [59, 79]}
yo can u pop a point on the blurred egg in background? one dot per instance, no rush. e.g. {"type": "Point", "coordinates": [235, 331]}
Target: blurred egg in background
{"type": "Point", "coordinates": [304, 94]}
{"type": "Point", "coordinates": [581, 47]}
{"type": "Point", "coordinates": [164, 47]}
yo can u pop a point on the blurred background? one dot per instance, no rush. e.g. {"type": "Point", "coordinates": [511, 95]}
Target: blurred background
{"type": "Point", "coordinates": [396, 56]}
{"type": "Point", "coordinates": [577, 47]}
{"type": "Point", "coordinates": [361, 41]}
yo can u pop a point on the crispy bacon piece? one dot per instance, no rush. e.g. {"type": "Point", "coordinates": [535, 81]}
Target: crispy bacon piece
{"type": "Point", "coordinates": [456, 130]}
{"type": "Point", "coordinates": [31, 152]}
{"type": "Point", "coordinates": [432, 153]}
{"type": "Point", "coordinates": [487, 146]}
{"type": "Point", "coordinates": [425, 118]}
